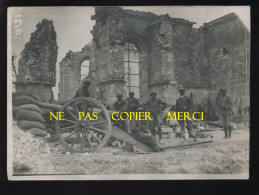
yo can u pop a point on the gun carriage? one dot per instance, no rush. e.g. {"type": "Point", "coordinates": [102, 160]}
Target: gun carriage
{"type": "Point", "coordinates": [82, 135]}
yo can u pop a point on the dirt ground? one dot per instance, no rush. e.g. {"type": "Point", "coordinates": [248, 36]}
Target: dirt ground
{"type": "Point", "coordinates": [222, 156]}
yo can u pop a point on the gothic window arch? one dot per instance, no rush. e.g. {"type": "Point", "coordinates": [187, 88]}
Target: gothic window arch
{"type": "Point", "coordinates": [131, 65]}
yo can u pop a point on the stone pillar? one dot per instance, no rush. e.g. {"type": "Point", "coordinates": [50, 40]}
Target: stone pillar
{"type": "Point", "coordinates": [162, 78]}
{"type": "Point", "coordinates": [108, 36]}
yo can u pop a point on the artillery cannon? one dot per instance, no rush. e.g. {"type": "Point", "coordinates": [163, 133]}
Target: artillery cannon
{"type": "Point", "coordinates": [82, 135]}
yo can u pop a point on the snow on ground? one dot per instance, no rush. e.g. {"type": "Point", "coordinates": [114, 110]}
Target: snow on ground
{"type": "Point", "coordinates": [222, 156]}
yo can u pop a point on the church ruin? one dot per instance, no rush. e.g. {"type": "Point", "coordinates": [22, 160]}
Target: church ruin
{"type": "Point", "coordinates": [143, 52]}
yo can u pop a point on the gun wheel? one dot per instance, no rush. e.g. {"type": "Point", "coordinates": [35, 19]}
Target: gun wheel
{"type": "Point", "coordinates": [88, 133]}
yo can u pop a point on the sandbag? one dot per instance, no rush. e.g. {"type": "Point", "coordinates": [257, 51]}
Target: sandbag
{"type": "Point", "coordinates": [37, 132]}
{"type": "Point", "coordinates": [30, 107]}
{"type": "Point", "coordinates": [24, 124]}
{"type": "Point", "coordinates": [14, 111]}
{"type": "Point", "coordinates": [29, 116]}
{"type": "Point", "coordinates": [21, 100]}
{"type": "Point", "coordinates": [23, 93]}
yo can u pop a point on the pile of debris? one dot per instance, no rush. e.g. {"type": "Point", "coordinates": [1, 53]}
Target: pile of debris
{"type": "Point", "coordinates": [26, 149]}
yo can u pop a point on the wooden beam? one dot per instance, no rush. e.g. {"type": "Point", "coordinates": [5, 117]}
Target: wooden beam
{"type": "Point", "coordinates": [187, 144]}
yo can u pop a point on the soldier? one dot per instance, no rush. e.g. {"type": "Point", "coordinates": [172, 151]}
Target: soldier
{"type": "Point", "coordinates": [133, 103]}
{"type": "Point", "coordinates": [155, 106]}
{"type": "Point", "coordinates": [121, 106]}
{"type": "Point", "coordinates": [184, 104]}
{"type": "Point", "coordinates": [217, 103]}
{"type": "Point", "coordinates": [83, 90]}
{"type": "Point", "coordinates": [226, 110]}
{"type": "Point", "coordinates": [139, 132]}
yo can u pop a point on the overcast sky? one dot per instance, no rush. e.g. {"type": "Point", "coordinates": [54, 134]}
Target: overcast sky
{"type": "Point", "coordinates": [73, 24]}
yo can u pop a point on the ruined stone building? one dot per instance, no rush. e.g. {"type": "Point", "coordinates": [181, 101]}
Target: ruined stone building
{"type": "Point", "coordinates": [37, 64]}
{"type": "Point", "coordinates": [143, 52]}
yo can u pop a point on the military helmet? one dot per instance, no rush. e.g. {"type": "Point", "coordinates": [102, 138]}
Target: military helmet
{"type": "Point", "coordinates": [119, 95]}
{"type": "Point", "coordinates": [86, 82]}
{"type": "Point", "coordinates": [152, 93]}
{"type": "Point", "coordinates": [140, 109]}
{"type": "Point", "coordinates": [181, 89]}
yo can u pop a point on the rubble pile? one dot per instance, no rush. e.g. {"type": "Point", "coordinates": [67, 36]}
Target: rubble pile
{"type": "Point", "coordinates": [27, 149]}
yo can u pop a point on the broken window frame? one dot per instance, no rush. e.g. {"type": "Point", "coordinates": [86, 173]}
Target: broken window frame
{"type": "Point", "coordinates": [128, 66]}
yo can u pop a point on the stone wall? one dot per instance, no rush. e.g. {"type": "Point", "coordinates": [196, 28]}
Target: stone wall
{"type": "Point", "coordinates": [112, 30]}
{"type": "Point", "coordinates": [37, 64]}
{"type": "Point", "coordinates": [229, 58]}
{"type": "Point", "coordinates": [41, 92]}
{"type": "Point", "coordinates": [70, 73]}
{"type": "Point", "coordinates": [177, 59]}
{"type": "Point", "coordinates": [171, 54]}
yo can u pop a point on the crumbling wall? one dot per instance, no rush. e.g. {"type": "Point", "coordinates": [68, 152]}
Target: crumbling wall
{"type": "Point", "coordinates": [108, 57]}
{"type": "Point", "coordinates": [37, 64]}
{"type": "Point", "coordinates": [155, 54]}
{"type": "Point", "coordinates": [171, 54]}
{"type": "Point", "coordinates": [176, 59]}
{"type": "Point", "coordinates": [229, 59]}
{"type": "Point", "coordinates": [70, 73]}
{"type": "Point", "coordinates": [188, 55]}
{"type": "Point", "coordinates": [110, 33]}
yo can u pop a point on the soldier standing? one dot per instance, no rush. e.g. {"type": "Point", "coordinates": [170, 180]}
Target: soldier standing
{"type": "Point", "coordinates": [155, 106]}
{"type": "Point", "coordinates": [133, 103]}
{"type": "Point", "coordinates": [226, 110]}
{"type": "Point", "coordinates": [184, 104]}
{"type": "Point", "coordinates": [121, 106]}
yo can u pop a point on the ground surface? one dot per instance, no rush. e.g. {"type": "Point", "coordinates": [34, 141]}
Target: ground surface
{"type": "Point", "coordinates": [222, 156]}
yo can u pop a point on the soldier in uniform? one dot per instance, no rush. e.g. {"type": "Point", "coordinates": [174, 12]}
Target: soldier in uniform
{"type": "Point", "coordinates": [184, 104]}
{"type": "Point", "coordinates": [155, 106]}
{"type": "Point", "coordinates": [133, 103]}
{"type": "Point", "coordinates": [121, 106]}
{"type": "Point", "coordinates": [83, 90]}
{"type": "Point", "coordinates": [139, 132]}
{"type": "Point", "coordinates": [226, 110]}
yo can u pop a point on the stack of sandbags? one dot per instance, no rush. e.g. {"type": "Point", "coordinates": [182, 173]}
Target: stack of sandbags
{"type": "Point", "coordinates": [28, 114]}
{"type": "Point", "coordinates": [22, 99]}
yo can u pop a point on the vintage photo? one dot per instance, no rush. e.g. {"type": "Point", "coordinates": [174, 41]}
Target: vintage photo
{"type": "Point", "coordinates": [128, 93]}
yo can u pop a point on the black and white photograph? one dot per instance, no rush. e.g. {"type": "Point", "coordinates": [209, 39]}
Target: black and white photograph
{"type": "Point", "coordinates": [128, 92]}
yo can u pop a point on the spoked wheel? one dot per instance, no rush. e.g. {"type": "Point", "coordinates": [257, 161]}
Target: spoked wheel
{"type": "Point", "coordinates": [91, 132]}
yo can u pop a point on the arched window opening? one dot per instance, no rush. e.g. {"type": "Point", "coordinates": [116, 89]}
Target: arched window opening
{"type": "Point", "coordinates": [131, 65]}
{"type": "Point", "coordinates": [84, 69]}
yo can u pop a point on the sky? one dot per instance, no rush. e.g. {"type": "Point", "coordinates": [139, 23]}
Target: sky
{"type": "Point", "coordinates": [73, 24]}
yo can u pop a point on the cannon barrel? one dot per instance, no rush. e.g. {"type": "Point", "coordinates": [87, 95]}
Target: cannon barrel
{"type": "Point", "coordinates": [56, 107]}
